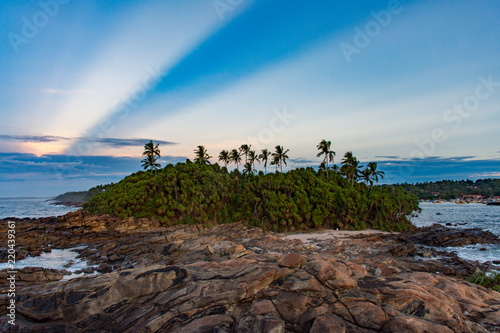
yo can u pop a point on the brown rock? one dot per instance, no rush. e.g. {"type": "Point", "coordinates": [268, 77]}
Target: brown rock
{"type": "Point", "coordinates": [292, 260]}
{"type": "Point", "coordinates": [184, 290]}
{"type": "Point", "coordinates": [209, 250]}
{"type": "Point", "coordinates": [269, 324]}
{"type": "Point", "coordinates": [367, 315]}
{"type": "Point", "coordinates": [358, 270]}
{"type": "Point", "coordinates": [404, 250]}
{"type": "Point", "coordinates": [303, 281]}
{"type": "Point", "coordinates": [214, 323]}
{"type": "Point", "coordinates": [291, 305]}
{"type": "Point", "coordinates": [413, 325]}
{"type": "Point", "coordinates": [262, 307]}
{"type": "Point", "coordinates": [385, 270]}
{"type": "Point", "coordinates": [104, 268]}
{"type": "Point", "coordinates": [328, 323]}
{"type": "Point", "coordinates": [113, 258]}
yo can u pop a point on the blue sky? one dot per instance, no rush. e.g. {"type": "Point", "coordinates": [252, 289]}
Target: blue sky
{"type": "Point", "coordinates": [413, 85]}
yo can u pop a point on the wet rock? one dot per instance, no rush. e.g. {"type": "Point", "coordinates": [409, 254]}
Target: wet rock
{"type": "Point", "coordinates": [104, 268]}
{"type": "Point", "coordinates": [88, 270]}
{"type": "Point", "coordinates": [69, 264]}
{"type": "Point", "coordinates": [403, 250]}
{"type": "Point", "coordinates": [437, 235]}
{"type": "Point", "coordinates": [40, 274]}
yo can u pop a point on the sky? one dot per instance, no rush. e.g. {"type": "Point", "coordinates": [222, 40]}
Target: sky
{"type": "Point", "coordinates": [411, 85]}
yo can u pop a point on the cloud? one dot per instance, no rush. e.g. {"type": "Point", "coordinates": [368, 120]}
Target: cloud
{"type": "Point", "coordinates": [32, 138]}
{"type": "Point", "coordinates": [388, 157]}
{"type": "Point", "coordinates": [48, 175]}
{"type": "Point", "coordinates": [303, 161]}
{"type": "Point", "coordinates": [110, 142]}
{"type": "Point", "coordinates": [130, 142]}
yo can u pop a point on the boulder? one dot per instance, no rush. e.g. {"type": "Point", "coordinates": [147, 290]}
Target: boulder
{"type": "Point", "coordinates": [292, 260]}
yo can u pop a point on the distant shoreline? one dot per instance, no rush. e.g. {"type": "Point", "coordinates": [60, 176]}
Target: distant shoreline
{"type": "Point", "coordinates": [68, 203]}
{"type": "Point", "coordinates": [27, 198]}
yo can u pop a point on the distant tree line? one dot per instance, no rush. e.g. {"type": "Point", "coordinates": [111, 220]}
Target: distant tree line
{"type": "Point", "coordinates": [79, 197]}
{"type": "Point", "coordinates": [453, 189]}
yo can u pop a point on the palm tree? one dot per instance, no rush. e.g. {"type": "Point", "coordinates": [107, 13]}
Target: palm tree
{"type": "Point", "coordinates": [248, 169]}
{"type": "Point", "coordinates": [245, 149]}
{"type": "Point", "coordinates": [275, 161]}
{"type": "Point", "coordinates": [280, 156]}
{"type": "Point", "coordinates": [263, 157]}
{"type": "Point", "coordinates": [365, 175]}
{"type": "Point", "coordinates": [350, 167]}
{"type": "Point", "coordinates": [152, 154]}
{"type": "Point", "coordinates": [324, 149]}
{"type": "Point", "coordinates": [252, 157]}
{"type": "Point", "coordinates": [201, 155]}
{"type": "Point", "coordinates": [373, 173]}
{"type": "Point", "coordinates": [235, 157]}
{"type": "Point", "coordinates": [224, 157]}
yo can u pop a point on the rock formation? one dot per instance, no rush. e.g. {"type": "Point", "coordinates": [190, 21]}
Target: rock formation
{"type": "Point", "coordinates": [229, 278]}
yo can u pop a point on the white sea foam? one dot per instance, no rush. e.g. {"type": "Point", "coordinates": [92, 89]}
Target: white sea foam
{"type": "Point", "coordinates": [57, 259]}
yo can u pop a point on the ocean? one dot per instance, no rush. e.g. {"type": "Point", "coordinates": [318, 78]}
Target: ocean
{"type": "Point", "coordinates": [31, 207]}
{"type": "Point", "coordinates": [464, 216]}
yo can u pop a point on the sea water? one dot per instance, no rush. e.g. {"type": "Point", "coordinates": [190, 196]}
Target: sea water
{"type": "Point", "coordinates": [31, 207]}
{"type": "Point", "coordinates": [34, 208]}
{"type": "Point", "coordinates": [57, 259]}
{"type": "Point", "coordinates": [464, 216]}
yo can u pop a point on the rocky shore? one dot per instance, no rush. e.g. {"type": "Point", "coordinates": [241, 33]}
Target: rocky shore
{"type": "Point", "coordinates": [229, 278]}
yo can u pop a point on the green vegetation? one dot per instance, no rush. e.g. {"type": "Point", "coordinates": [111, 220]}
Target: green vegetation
{"type": "Point", "coordinates": [300, 199]}
{"type": "Point", "coordinates": [202, 156]}
{"type": "Point", "coordinates": [449, 189]}
{"type": "Point", "coordinates": [492, 281]}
